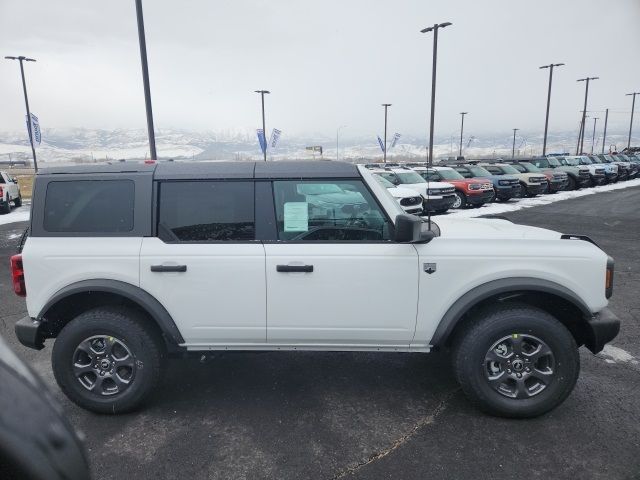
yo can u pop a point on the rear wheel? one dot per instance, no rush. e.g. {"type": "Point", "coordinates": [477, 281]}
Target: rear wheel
{"type": "Point", "coordinates": [108, 360]}
{"type": "Point", "coordinates": [18, 201]}
{"type": "Point", "coordinates": [6, 208]}
{"type": "Point", "coordinates": [461, 200]}
{"type": "Point", "coordinates": [516, 361]}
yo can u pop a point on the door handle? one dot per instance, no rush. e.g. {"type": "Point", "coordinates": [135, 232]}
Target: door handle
{"type": "Point", "coordinates": [294, 268]}
{"type": "Point", "coordinates": [168, 268]}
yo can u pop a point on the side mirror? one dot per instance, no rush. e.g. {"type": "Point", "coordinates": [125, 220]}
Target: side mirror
{"type": "Point", "coordinates": [411, 229]}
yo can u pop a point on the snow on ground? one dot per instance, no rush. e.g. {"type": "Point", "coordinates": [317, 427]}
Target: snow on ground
{"type": "Point", "coordinates": [497, 208]}
{"type": "Point", "coordinates": [20, 214]}
{"type": "Point", "coordinates": [612, 354]}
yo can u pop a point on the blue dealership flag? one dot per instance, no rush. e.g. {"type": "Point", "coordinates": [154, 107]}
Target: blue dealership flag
{"type": "Point", "coordinates": [275, 136]}
{"type": "Point", "coordinates": [396, 137]}
{"type": "Point", "coordinates": [36, 134]}
{"type": "Point", "coordinates": [262, 140]}
{"type": "Point", "coordinates": [381, 143]}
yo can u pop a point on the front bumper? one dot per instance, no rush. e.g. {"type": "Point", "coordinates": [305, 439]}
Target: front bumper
{"type": "Point", "coordinates": [558, 185]}
{"type": "Point", "coordinates": [602, 327]}
{"type": "Point", "coordinates": [611, 177]}
{"type": "Point", "coordinates": [535, 189]}
{"type": "Point", "coordinates": [29, 333]}
{"type": "Point", "coordinates": [506, 192]}
{"type": "Point", "coordinates": [439, 203]}
{"type": "Point", "coordinates": [480, 198]}
{"type": "Point", "coordinates": [599, 179]}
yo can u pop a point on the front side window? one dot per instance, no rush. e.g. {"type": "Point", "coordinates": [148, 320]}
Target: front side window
{"type": "Point", "coordinates": [206, 211]}
{"type": "Point", "coordinates": [328, 210]}
{"type": "Point", "coordinates": [89, 206]}
{"type": "Point", "coordinates": [464, 172]}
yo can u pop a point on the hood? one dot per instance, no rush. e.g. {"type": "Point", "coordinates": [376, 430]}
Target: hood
{"type": "Point", "coordinates": [402, 192]}
{"type": "Point", "coordinates": [491, 228]}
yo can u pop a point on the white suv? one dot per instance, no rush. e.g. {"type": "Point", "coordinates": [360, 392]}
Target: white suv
{"type": "Point", "coordinates": [409, 200]}
{"type": "Point", "coordinates": [128, 264]}
{"type": "Point", "coordinates": [438, 196]}
{"type": "Point", "coordinates": [9, 192]}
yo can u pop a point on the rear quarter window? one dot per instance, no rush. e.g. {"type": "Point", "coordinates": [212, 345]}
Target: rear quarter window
{"type": "Point", "coordinates": [89, 206]}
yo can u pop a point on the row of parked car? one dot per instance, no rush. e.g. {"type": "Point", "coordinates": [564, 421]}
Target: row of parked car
{"type": "Point", "coordinates": [461, 183]}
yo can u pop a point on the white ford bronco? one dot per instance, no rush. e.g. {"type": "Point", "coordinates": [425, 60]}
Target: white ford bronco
{"type": "Point", "coordinates": [126, 265]}
{"type": "Point", "coordinates": [9, 192]}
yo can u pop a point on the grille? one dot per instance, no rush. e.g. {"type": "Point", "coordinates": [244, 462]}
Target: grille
{"type": "Point", "coordinates": [407, 202]}
{"type": "Point", "coordinates": [600, 171]}
{"type": "Point", "coordinates": [487, 186]}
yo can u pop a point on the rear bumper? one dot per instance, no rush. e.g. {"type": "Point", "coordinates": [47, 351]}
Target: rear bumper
{"type": "Point", "coordinates": [29, 333]}
{"type": "Point", "coordinates": [602, 327]}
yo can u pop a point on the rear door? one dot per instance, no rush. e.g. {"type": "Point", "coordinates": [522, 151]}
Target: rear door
{"type": "Point", "coordinates": [204, 265]}
{"type": "Point", "coordinates": [334, 277]}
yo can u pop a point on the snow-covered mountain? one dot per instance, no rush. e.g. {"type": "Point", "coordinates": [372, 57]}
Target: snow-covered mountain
{"type": "Point", "coordinates": [77, 145]}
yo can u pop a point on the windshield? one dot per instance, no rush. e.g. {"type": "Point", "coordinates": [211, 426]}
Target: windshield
{"type": "Point", "coordinates": [384, 182]}
{"type": "Point", "coordinates": [447, 174]}
{"type": "Point", "coordinates": [508, 169]}
{"type": "Point", "coordinates": [553, 162]}
{"type": "Point", "coordinates": [409, 177]}
{"type": "Point", "coordinates": [541, 162]}
{"type": "Point", "coordinates": [570, 161]}
{"type": "Point", "coordinates": [585, 161]}
{"type": "Point", "coordinates": [530, 167]}
{"type": "Point", "coordinates": [478, 171]}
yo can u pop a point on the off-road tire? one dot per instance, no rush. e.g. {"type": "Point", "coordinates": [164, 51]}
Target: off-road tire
{"type": "Point", "coordinates": [6, 208]}
{"type": "Point", "coordinates": [463, 200]}
{"type": "Point", "coordinates": [572, 185]}
{"type": "Point", "coordinates": [18, 201]}
{"type": "Point", "coordinates": [473, 342]}
{"type": "Point", "coordinates": [125, 325]}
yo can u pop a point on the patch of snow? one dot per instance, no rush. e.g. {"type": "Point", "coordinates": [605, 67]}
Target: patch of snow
{"type": "Point", "coordinates": [612, 354]}
{"type": "Point", "coordinates": [514, 205]}
{"type": "Point", "coordinates": [20, 214]}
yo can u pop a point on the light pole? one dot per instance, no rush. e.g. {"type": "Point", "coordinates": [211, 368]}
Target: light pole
{"type": "Point", "coordinates": [26, 103]}
{"type": "Point", "coordinates": [580, 146]}
{"type": "Point", "coordinates": [546, 121]}
{"type": "Point", "coordinates": [145, 81]}
{"type": "Point", "coordinates": [386, 107]}
{"type": "Point", "coordinates": [513, 148]}
{"type": "Point", "coordinates": [435, 29]}
{"type": "Point", "coordinates": [338, 141]}
{"type": "Point", "coordinates": [604, 135]}
{"type": "Point", "coordinates": [462, 114]}
{"type": "Point", "coordinates": [593, 137]}
{"type": "Point", "coordinates": [264, 127]}
{"type": "Point", "coordinates": [633, 106]}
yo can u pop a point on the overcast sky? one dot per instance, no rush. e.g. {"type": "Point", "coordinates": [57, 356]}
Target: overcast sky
{"type": "Point", "coordinates": [327, 63]}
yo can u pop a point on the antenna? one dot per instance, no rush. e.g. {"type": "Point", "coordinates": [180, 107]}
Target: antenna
{"type": "Point", "coordinates": [428, 188]}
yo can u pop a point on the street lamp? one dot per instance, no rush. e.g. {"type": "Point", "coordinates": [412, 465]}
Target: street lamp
{"type": "Point", "coordinates": [386, 107]}
{"type": "Point", "coordinates": [580, 146]}
{"type": "Point", "coordinates": [145, 80]}
{"type": "Point", "coordinates": [593, 137]}
{"type": "Point", "coordinates": [462, 114]}
{"type": "Point", "coordinates": [546, 121]}
{"type": "Point", "coordinates": [338, 140]}
{"type": "Point", "coordinates": [264, 128]}
{"type": "Point", "coordinates": [435, 29]}
{"type": "Point", "coordinates": [604, 135]}
{"type": "Point", "coordinates": [633, 106]}
{"type": "Point", "coordinates": [513, 148]}
{"type": "Point", "coordinates": [26, 102]}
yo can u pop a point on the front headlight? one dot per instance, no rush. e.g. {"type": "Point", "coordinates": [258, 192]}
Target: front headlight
{"type": "Point", "coordinates": [475, 186]}
{"type": "Point", "coordinates": [504, 182]}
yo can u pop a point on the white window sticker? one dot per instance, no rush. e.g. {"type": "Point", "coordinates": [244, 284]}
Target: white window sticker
{"type": "Point", "coordinates": [296, 217]}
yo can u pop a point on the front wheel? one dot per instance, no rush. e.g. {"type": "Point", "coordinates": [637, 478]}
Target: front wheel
{"type": "Point", "coordinates": [516, 361]}
{"type": "Point", "coordinates": [460, 201]}
{"type": "Point", "coordinates": [108, 360]}
{"type": "Point", "coordinates": [572, 184]}
{"type": "Point", "coordinates": [18, 201]}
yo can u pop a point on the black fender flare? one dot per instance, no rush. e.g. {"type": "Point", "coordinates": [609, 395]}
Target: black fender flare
{"type": "Point", "coordinates": [137, 295]}
{"type": "Point", "coordinates": [496, 287]}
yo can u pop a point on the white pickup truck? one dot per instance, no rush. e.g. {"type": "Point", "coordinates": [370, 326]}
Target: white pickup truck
{"type": "Point", "coordinates": [9, 192]}
{"type": "Point", "coordinates": [128, 264]}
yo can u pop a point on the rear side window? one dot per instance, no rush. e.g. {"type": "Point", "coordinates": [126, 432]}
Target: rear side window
{"type": "Point", "coordinates": [89, 206]}
{"type": "Point", "coordinates": [206, 211]}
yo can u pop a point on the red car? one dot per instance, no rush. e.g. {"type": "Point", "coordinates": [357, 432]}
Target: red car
{"type": "Point", "coordinates": [469, 191]}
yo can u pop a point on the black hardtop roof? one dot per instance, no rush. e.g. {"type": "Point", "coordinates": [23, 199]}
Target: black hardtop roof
{"type": "Point", "coordinates": [218, 170]}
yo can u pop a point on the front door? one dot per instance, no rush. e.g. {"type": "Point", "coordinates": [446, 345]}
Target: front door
{"type": "Point", "coordinates": [334, 277]}
{"type": "Point", "coordinates": [205, 266]}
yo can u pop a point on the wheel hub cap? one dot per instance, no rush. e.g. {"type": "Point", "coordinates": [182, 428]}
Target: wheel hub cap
{"type": "Point", "coordinates": [519, 366]}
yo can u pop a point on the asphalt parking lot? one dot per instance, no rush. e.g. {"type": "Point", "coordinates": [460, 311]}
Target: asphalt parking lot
{"type": "Point", "coordinates": [373, 416]}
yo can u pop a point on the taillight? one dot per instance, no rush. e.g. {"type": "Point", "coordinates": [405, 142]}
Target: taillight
{"type": "Point", "coordinates": [1, 192]}
{"type": "Point", "coordinates": [17, 275]}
